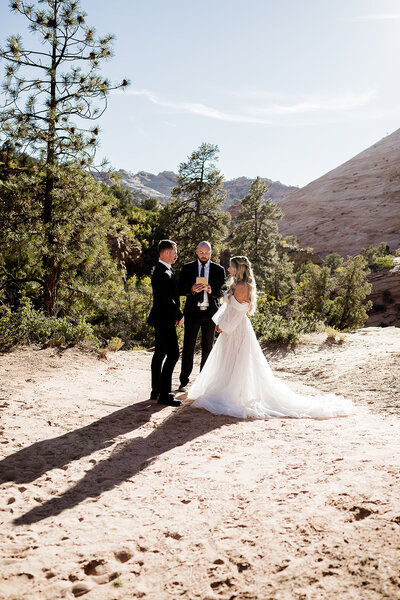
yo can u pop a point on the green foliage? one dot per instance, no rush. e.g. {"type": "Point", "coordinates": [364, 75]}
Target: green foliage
{"type": "Point", "coordinates": [51, 97]}
{"type": "Point", "coordinates": [315, 290]}
{"type": "Point", "coordinates": [281, 321]}
{"type": "Point", "coordinates": [63, 87]}
{"type": "Point", "coordinates": [334, 336]}
{"type": "Point", "coordinates": [349, 309]}
{"type": "Point", "coordinates": [335, 293]}
{"type": "Point", "coordinates": [331, 295]}
{"type": "Point", "coordinates": [115, 344]}
{"type": "Point", "coordinates": [123, 313]}
{"type": "Point", "coordinates": [378, 257]}
{"type": "Point", "coordinates": [81, 221]}
{"type": "Point", "coordinates": [384, 262]}
{"type": "Point", "coordinates": [256, 232]}
{"type": "Point", "coordinates": [194, 212]}
{"type": "Point", "coordinates": [151, 204]}
{"type": "Point", "coordinates": [333, 261]}
{"type": "Point", "coordinates": [26, 326]}
{"type": "Point", "coordinates": [279, 279]}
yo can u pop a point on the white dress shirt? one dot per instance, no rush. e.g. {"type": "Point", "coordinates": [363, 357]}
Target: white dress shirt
{"type": "Point", "coordinates": [205, 301]}
{"type": "Point", "coordinates": [165, 264]}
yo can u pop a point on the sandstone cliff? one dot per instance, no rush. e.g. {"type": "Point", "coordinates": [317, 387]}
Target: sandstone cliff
{"type": "Point", "coordinates": [355, 205]}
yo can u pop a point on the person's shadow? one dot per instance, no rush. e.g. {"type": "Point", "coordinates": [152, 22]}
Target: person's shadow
{"type": "Point", "coordinates": [31, 462]}
{"type": "Point", "coordinates": [182, 426]}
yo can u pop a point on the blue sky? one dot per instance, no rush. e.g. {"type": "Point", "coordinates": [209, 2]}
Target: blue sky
{"type": "Point", "coordinates": [287, 90]}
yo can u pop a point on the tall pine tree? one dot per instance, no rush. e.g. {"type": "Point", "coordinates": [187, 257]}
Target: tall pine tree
{"type": "Point", "coordinates": [194, 212]}
{"type": "Point", "coordinates": [47, 109]}
{"type": "Point", "coordinates": [256, 232]}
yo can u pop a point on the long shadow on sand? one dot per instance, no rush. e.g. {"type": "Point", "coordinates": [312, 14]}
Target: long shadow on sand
{"type": "Point", "coordinates": [31, 462]}
{"type": "Point", "coordinates": [182, 426]}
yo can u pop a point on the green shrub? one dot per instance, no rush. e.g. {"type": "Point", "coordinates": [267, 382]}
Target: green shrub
{"type": "Point", "coordinates": [27, 325]}
{"type": "Point", "coordinates": [385, 262]}
{"type": "Point", "coordinates": [281, 321]}
{"type": "Point", "coordinates": [378, 257]}
{"type": "Point", "coordinates": [124, 314]}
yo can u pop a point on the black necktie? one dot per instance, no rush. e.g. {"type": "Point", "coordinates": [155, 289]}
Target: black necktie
{"type": "Point", "coordinates": [202, 271]}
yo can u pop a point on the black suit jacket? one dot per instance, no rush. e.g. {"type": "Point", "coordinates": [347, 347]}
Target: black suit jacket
{"type": "Point", "coordinates": [187, 278]}
{"type": "Point", "coordinates": [166, 305]}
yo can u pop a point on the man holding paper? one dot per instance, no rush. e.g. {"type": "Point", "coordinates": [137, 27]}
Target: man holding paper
{"type": "Point", "coordinates": [201, 282]}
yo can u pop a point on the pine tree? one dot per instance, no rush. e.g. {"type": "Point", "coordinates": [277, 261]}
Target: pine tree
{"type": "Point", "coordinates": [349, 308]}
{"type": "Point", "coordinates": [81, 221]}
{"type": "Point", "coordinates": [46, 110]}
{"type": "Point", "coordinates": [256, 232]}
{"type": "Point", "coordinates": [279, 278]}
{"type": "Point", "coordinates": [194, 212]}
{"type": "Point", "coordinates": [315, 289]}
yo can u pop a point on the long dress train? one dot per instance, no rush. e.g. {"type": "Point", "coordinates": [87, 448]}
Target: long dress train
{"type": "Point", "coordinates": [237, 380]}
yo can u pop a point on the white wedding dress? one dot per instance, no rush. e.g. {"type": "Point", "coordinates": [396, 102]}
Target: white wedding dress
{"type": "Point", "coordinates": [237, 380]}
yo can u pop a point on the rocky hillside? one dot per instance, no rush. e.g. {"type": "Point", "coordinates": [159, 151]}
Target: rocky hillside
{"type": "Point", "coordinates": [148, 185]}
{"type": "Point", "coordinates": [355, 205]}
{"type": "Point", "coordinates": [142, 184]}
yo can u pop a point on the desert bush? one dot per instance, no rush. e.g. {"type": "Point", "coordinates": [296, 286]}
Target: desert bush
{"type": "Point", "coordinates": [378, 257]}
{"type": "Point", "coordinates": [115, 344]}
{"type": "Point", "coordinates": [281, 321]}
{"type": "Point", "coordinates": [334, 335]}
{"type": "Point", "coordinates": [27, 325]}
{"type": "Point", "coordinates": [124, 314]}
{"type": "Point", "coordinates": [384, 262]}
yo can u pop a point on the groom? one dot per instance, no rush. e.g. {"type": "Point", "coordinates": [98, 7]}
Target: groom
{"type": "Point", "coordinates": [164, 316]}
{"type": "Point", "coordinates": [201, 305]}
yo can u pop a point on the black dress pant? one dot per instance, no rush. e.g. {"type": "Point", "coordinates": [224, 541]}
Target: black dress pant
{"type": "Point", "coordinates": [200, 319]}
{"type": "Point", "coordinates": [166, 347]}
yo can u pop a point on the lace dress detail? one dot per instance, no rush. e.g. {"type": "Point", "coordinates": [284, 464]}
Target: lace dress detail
{"type": "Point", "coordinates": [238, 381]}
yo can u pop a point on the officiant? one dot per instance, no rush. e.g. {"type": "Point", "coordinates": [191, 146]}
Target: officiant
{"type": "Point", "coordinates": [201, 282]}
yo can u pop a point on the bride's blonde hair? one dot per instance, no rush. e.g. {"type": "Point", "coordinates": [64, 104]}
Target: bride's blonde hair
{"type": "Point", "coordinates": [243, 273]}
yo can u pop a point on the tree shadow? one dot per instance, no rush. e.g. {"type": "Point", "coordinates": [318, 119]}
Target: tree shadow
{"type": "Point", "coordinates": [31, 462]}
{"type": "Point", "coordinates": [130, 458]}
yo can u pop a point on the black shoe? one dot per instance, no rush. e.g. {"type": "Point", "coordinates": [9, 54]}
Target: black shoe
{"type": "Point", "coordinates": [169, 400]}
{"type": "Point", "coordinates": [182, 388]}
{"type": "Point", "coordinates": [154, 395]}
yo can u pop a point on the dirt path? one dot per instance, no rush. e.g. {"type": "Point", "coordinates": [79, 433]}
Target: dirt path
{"type": "Point", "coordinates": [110, 496]}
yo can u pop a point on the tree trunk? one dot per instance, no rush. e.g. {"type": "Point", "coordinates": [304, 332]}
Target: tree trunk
{"type": "Point", "coordinates": [50, 262]}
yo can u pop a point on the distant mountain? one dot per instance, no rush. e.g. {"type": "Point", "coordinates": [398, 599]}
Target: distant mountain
{"type": "Point", "coordinates": [354, 206]}
{"type": "Point", "coordinates": [148, 185]}
{"type": "Point", "coordinates": [142, 184]}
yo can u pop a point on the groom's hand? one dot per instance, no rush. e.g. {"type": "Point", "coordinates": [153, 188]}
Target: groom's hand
{"type": "Point", "coordinates": [197, 287]}
{"type": "Point", "coordinates": [180, 322]}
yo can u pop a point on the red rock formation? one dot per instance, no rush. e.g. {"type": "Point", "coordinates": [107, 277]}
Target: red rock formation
{"type": "Point", "coordinates": [354, 206]}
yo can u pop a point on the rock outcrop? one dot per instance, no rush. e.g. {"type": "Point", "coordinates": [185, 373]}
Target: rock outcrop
{"type": "Point", "coordinates": [385, 297]}
{"type": "Point", "coordinates": [354, 206]}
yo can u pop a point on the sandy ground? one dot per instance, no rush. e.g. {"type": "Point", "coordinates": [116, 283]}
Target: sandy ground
{"type": "Point", "coordinates": [108, 495]}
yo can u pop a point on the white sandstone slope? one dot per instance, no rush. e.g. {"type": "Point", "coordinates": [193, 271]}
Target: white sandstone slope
{"type": "Point", "coordinates": [353, 206]}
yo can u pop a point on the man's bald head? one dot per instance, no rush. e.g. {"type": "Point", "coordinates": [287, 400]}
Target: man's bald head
{"type": "Point", "coordinates": [204, 251]}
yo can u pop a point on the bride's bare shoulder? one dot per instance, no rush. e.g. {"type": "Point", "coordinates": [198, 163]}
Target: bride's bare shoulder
{"type": "Point", "coordinates": [241, 292]}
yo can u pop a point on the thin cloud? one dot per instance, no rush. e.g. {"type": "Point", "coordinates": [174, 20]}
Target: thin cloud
{"type": "Point", "coordinates": [198, 109]}
{"type": "Point", "coordinates": [266, 114]}
{"type": "Point", "coordinates": [341, 103]}
{"type": "Point", "coordinates": [379, 17]}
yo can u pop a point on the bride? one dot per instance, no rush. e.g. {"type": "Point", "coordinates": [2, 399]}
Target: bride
{"type": "Point", "coordinates": [237, 380]}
